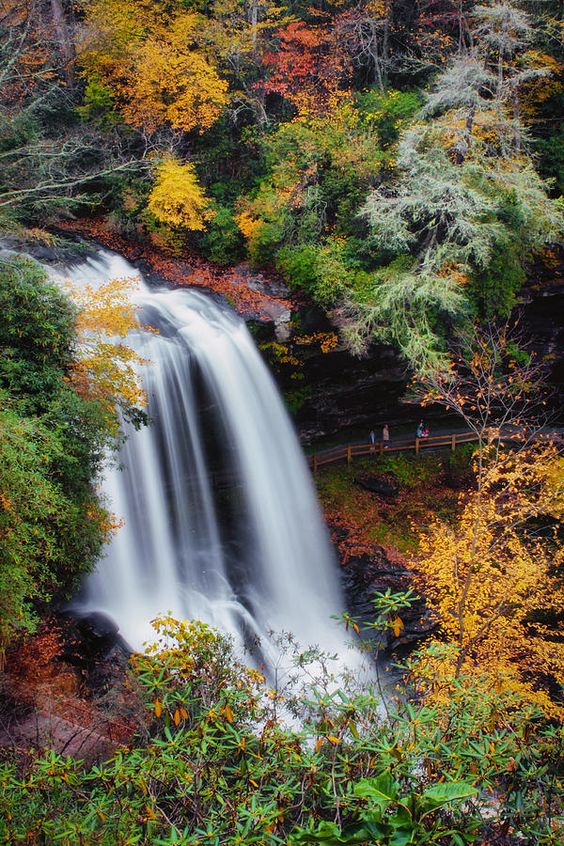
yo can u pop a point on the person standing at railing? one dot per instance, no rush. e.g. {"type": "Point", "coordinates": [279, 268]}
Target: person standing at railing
{"type": "Point", "coordinates": [385, 435]}
{"type": "Point", "coordinates": [422, 430]}
{"type": "Point", "coordinates": [372, 439]}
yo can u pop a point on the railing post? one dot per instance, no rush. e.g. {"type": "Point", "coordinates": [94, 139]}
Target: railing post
{"type": "Point", "coordinates": [416, 446]}
{"type": "Point", "coordinates": [453, 443]}
{"type": "Point", "coordinates": [314, 464]}
{"type": "Point", "coordinates": [381, 447]}
{"type": "Point", "coordinates": [349, 454]}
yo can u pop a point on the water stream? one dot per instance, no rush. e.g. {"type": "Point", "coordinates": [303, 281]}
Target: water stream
{"type": "Point", "coordinates": [221, 521]}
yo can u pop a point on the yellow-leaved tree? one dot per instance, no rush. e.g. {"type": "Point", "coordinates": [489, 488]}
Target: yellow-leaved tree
{"type": "Point", "coordinates": [177, 199]}
{"type": "Point", "coordinates": [492, 580]}
{"type": "Point", "coordinates": [154, 61]}
{"type": "Point", "coordinates": [492, 576]}
{"type": "Point", "coordinates": [106, 367]}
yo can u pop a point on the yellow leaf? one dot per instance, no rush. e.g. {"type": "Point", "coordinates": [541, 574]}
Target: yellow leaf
{"type": "Point", "coordinates": [319, 743]}
{"type": "Point", "coordinates": [332, 739]}
{"type": "Point", "coordinates": [228, 714]}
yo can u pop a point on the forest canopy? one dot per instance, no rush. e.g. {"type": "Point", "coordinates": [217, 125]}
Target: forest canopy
{"type": "Point", "coordinates": [399, 162]}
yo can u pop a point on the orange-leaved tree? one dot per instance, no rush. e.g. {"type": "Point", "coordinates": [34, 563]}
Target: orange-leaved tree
{"type": "Point", "coordinates": [492, 577]}
{"type": "Point", "coordinates": [308, 68]}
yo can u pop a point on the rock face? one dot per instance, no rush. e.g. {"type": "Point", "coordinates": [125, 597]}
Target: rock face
{"type": "Point", "coordinates": [365, 575]}
{"type": "Point", "coordinates": [46, 730]}
{"type": "Point", "coordinates": [543, 321]}
{"type": "Point", "coordinates": [350, 393]}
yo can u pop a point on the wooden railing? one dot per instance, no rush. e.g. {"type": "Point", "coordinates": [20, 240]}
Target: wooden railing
{"type": "Point", "coordinates": [347, 452]}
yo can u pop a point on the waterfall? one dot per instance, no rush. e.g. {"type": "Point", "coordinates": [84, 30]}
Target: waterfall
{"type": "Point", "coordinates": [220, 518]}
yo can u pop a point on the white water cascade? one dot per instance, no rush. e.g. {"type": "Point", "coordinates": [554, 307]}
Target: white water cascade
{"type": "Point", "coordinates": [220, 518]}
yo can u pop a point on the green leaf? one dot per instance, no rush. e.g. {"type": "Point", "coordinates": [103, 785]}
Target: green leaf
{"type": "Point", "coordinates": [445, 794]}
{"type": "Point", "coordinates": [401, 837]}
{"type": "Point", "coordinates": [329, 834]}
{"type": "Point", "coordinates": [382, 789]}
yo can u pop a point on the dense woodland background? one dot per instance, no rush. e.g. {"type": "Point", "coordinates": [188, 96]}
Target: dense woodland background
{"type": "Point", "coordinates": [399, 164]}
{"type": "Point", "coordinates": [396, 160]}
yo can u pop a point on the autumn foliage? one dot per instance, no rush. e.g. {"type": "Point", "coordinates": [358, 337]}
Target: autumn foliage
{"type": "Point", "coordinates": [152, 60]}
{"type": "Point", "coordinates": [177, 199]}
{"type": "Point", "coordinates": [494, 579]}
{"type": "Point", "coordinates": [305, 69]}
{"type": "Point", "coordinates": [107, 367]}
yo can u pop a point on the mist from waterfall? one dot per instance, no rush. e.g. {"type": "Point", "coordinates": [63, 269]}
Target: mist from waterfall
{"type": "Point", "coordinates": [220, 518]}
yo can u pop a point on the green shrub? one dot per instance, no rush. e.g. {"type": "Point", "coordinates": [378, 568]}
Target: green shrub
{"type": "Point", "coordinates": [223, 763]}
{"type": "Point", "coordinates": [298, 265]}
{"type": "Point", "coordinates": [52, 444]}
{"type": "Point", "coordinates": [222, 242]}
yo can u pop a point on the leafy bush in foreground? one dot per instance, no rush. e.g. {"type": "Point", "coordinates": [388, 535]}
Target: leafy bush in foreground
{"type": "Point", "coordinates": [231, 760]}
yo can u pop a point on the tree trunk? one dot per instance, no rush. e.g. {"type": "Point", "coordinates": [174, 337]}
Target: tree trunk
{"type": "Point", "coordinates": [66, 46]}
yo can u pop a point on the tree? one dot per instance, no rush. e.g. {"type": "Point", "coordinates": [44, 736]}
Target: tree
{"type": "Point", "coordinates": [493, 578]}
{"type": "Point", "coordinates": [50, 159]}
{"type": "Point", "coordinates": [177, 199]}
{"type": "Point", "coordinates": [153, 62]}
{"type": "Point", "coordinates": [364, 31]}
{"type": "Point", "coordinates": [53, 443]}
{"type": "Point", "coordinates": [464, 195]}
{"type": "Point", "coordinates": [105, 369]}
{"type": "Point", "coordinates": [239, 32]}
{"type": "Point", "coordinates": [504, 29]}
{"type": "Point", "coordinates": [307, 69]}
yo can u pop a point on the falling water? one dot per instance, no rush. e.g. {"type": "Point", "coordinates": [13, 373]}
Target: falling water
{"type": "Point", "coordinates": [220, 517]}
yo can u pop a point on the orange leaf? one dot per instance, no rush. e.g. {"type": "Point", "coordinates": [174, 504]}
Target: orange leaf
{"type": "Point", "coordinates": [228, 714]}
{"type": "Point", "coordinates": [397, 626]}
{"type": "Point", "coordinates": [158, 707]}
{"type": "Point", "coordinates": [319, 743]}
{"type": "Point", "coordinates": [176, 717]}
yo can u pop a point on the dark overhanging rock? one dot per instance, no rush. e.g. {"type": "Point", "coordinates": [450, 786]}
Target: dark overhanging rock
{"type": "Point", "coordinates": [385, 485]}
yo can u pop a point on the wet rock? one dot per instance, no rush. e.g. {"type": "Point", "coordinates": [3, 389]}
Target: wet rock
{"type": "Point", "coordinates": [98, 626]}
{"type": "Point", "coordinates": [93, 645]}
{"type": "Point", "coordinates": [46, 730]}
{"type": "Point", "coordinates": [365, 575]}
